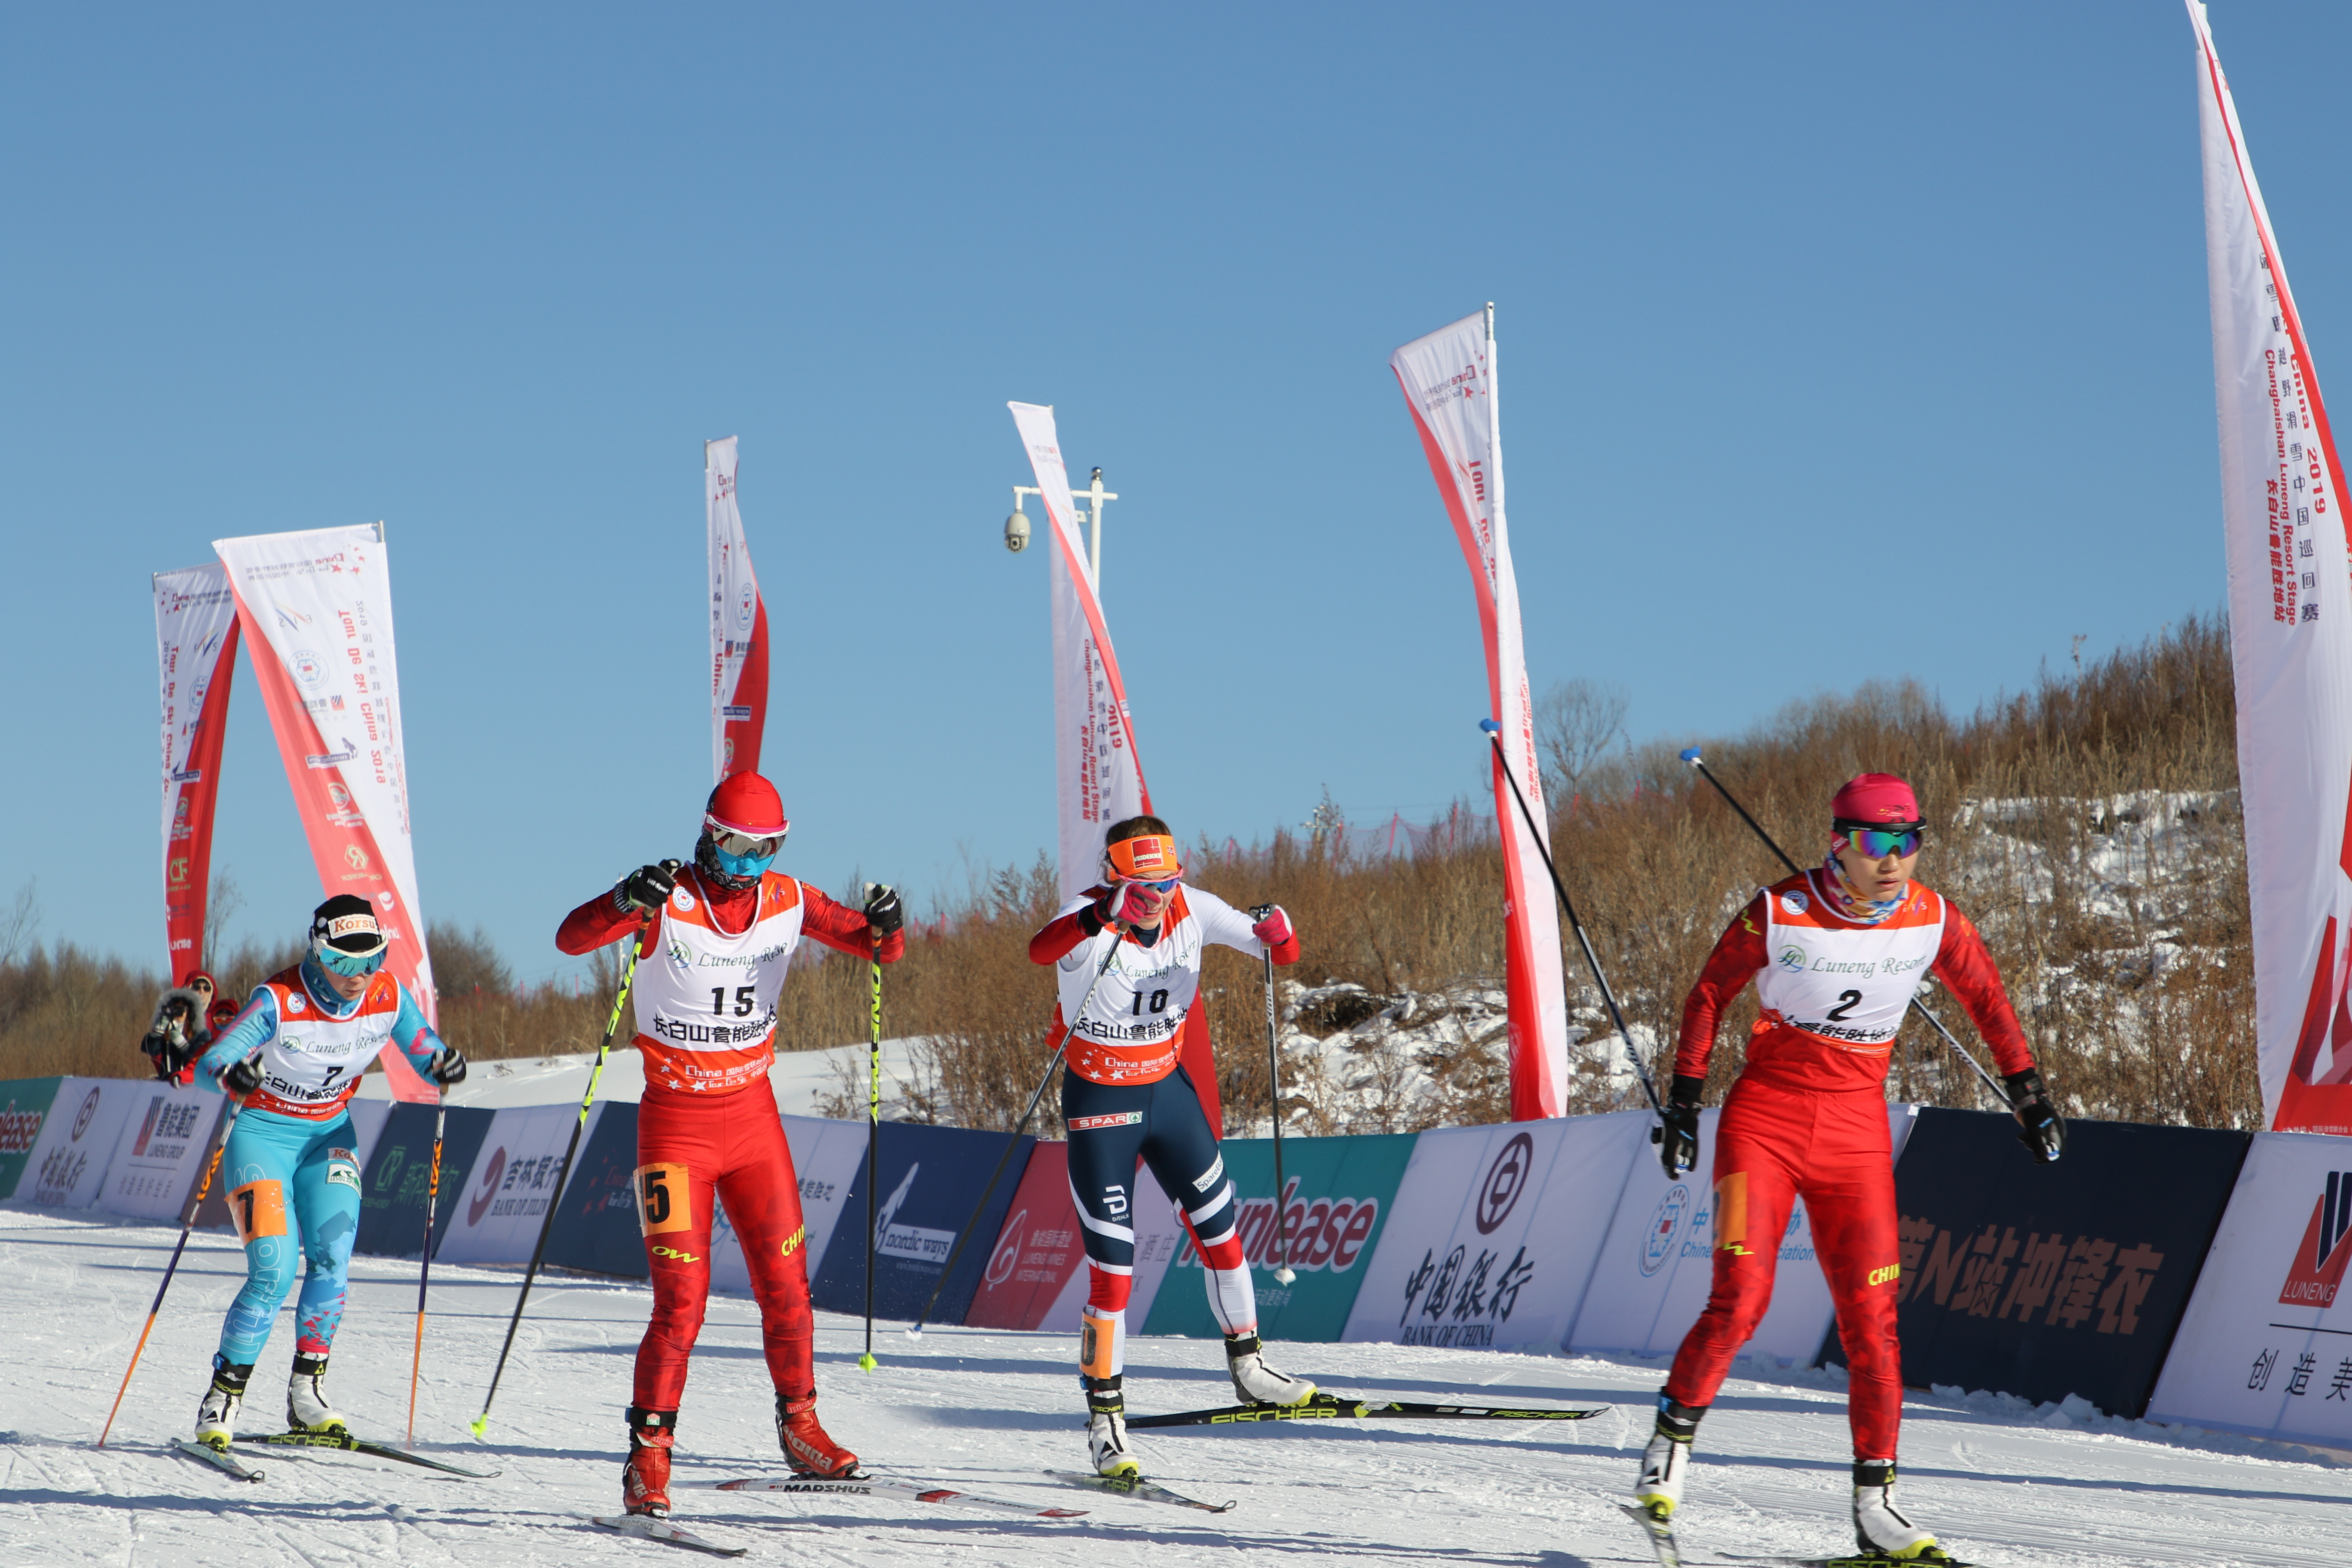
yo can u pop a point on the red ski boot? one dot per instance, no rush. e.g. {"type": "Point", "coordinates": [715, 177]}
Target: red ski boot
{"type": "Point", "coordinates": [806, 1446]}
{"type": "Point", "coordinates": [644, 1479]}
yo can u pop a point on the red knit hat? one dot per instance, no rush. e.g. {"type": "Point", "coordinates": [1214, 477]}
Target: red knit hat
{"type": "Point", "coordinates": [749, 804]}
{"type": "Point", "coordinates": [1875, 798]}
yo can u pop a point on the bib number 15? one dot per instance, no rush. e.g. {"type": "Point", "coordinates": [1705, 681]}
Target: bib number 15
{"type": "Point", "coordinates": [746, 998]}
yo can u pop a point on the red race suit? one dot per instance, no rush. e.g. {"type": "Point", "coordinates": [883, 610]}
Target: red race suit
{"type": "Point", "coordinates": [712, 964]}
{"type": "Point", "coordinates": [1807, 1117]}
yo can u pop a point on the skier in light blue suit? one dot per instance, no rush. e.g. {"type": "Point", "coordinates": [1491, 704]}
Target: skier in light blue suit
{"type": "Point", "coordinates": [293, 1059]}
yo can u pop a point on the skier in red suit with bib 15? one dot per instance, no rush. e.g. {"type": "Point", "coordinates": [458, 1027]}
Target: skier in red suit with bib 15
{"type": "Point", "coordinates": [1835, 954]}
{"type": "Point", "coordinates": [708, 1125]}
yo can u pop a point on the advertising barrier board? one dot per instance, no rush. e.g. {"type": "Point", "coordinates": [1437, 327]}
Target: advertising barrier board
{"type": "Point", "coordinates": [1336, 1198]}
{"type": "Point", "coordinates": [2266, 1345]}
{"type": "Point", "coordinates": [495, 1217]}
{"type": "Point", "coordinates": [165, 1144]}
{"type": "Point", "coordinates": [826, 1156]}
{"type": "Point", "coordinates": [67, 1164]}
{"type": "Point", "coordinates": [596, 1228]}
{"type": "Point", "coordinates": [1652, 1281]}
{"type": "Point", "coordinates": [1495, 1232]}
{"type": "Point", "coordinates": [931, 1176]}
{"type": "Point", "coordinates": [398, 1172]}
{"type": "Point", "coordinates": [1037, 1252]}
{"type": "Point", "coordinates": [24, 1106]}
{"type": "Point", "coordinates": [2046, 1280]}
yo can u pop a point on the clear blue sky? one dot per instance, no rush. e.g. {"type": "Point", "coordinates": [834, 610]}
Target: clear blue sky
{"type": "Point", "coordinates": [1839, 342]}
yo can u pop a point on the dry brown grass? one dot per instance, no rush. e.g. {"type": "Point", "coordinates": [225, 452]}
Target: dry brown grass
{"type": "Point", "coordinates": [2133, 984]}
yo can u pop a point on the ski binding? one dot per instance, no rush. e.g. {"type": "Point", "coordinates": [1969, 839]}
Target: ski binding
{"type": "Point", "coordinates": [1661, 1534]}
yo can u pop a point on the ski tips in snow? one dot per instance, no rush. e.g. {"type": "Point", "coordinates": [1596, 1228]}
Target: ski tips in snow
{"type": "Point", "coordinates": [645, 1527]}
{"type": "Point", "coordinates": [904, 1492]}
{"type": "Point", "coordinates": [216, 1459]}
{"type": "Point", "coordinates": [1139, 1489]}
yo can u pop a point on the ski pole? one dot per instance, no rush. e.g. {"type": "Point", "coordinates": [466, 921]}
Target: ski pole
{"type": "Point", "coordinates": [1495, 737]}
{"type": "Point", "coordinates": [204, 1185]}
{"type": "Point", "coordinates": [482, 1424]}
{"type": "Point", "coordinates": [1012, 1142]}
{"type": "Point", "coordinates": [872, 1143]}
{"type": "Point", "coordinates": [1691, 756]}
{"type": "Point", "coordinates": [425, 1265]}
{"type": "Point", "coordinates": [1283, 1274]}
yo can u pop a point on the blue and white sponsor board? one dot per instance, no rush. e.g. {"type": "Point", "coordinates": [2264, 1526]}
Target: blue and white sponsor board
{"type": "Point", "coordinates": [2265, 1347]}
{"type": "Point", "coordinates": [1655, 1266]}
{"type": "Point", "coordinates": [1494, 1232]}
{"type": "Point", "coordinates": [164, 1146]}
{"type": "Point", "coordinates": [495, 1216]}
{"type": "Point", "coordinates": [67, 1167]}
{"type": "Point", "coordinates": [827, 1155]}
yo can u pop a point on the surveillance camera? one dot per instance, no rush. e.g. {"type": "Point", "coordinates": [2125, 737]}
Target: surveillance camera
{"type": "Point", "coordinates": [1016, 533]}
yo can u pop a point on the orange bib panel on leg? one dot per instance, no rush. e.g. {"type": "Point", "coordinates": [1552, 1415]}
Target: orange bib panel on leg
{"type": "Point", "coordinates": [665, 1198]}
{"type": "Point", "coordinates": [259, 1209]}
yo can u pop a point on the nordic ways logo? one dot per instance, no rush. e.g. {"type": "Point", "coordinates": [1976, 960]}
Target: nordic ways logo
{"type": "Point", "coordinates": [2317, 1271]}
{"type": "Point", "coordinates": [1667, 1224]}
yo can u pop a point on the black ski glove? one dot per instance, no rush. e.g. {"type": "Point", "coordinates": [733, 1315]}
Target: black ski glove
{"type": "Point", "coordinates": [1677, 1140]}
{"type": "Point", "coordinates": [884, 912]}
{"type": "Point", "coordinates": [242, 1077]}
{"type": "Point", "coordinates": [448, 1068]}
{"type": "Point", "coordinates": [2038, 1124]}
{"type": "Point", "coordinates": [647, 888]}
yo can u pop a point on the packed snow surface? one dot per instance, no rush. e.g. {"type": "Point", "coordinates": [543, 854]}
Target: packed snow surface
{"type": "Point", "coordinates": [985, 1411]}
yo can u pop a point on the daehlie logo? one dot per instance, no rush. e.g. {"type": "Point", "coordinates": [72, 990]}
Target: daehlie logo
{"type": "Point", "coordinates": [2313, 1278]}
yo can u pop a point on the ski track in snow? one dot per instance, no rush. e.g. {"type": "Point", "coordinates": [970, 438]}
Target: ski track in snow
{"type": "Point", "coordinates": [987, 1412]}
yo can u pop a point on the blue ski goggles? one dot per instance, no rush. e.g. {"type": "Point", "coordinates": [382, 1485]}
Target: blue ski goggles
{"type": "Point", "coordinates": [350, 965]}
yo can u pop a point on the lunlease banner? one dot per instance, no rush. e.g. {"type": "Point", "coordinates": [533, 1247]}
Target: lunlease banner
{"type": "Point", "coordinates": [1449, 385]}
{"type": "Point", "coordinates": [316, 607]}
{"type": "Point", "coordinates": [2283, 526]}
{"type": "Point", "coordinates": [739, 623]}
{"type": "Point", "coordinates": [195, 655]}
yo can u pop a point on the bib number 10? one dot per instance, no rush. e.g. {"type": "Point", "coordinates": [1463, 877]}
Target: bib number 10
{"type": "Point", "coordinates": [1158, 1003]}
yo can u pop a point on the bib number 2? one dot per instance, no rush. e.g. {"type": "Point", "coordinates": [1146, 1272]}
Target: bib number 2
{"type": "Point", "coordinates": [1847, 1002]}
{"type": "Point", "coordinates": [663, 1203]}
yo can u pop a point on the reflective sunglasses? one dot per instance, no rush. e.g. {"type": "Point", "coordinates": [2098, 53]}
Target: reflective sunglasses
{"type": "Point", "coordinates": [1155, 887]}
{"type": "Point", "coordinates": [1878, 843]}
{"type": "Point", "coordinates": [742, 844]}
{"type": "Point", "coordinates": [350, 965]}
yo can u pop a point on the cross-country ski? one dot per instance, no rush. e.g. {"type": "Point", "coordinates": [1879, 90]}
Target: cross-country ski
{"type": "Point", "coordinates": [205, 1453]}
{"type": "Point", "coordinates": [344, 1442]}
{"type": "Point", "coordinates": [647, 1527]}
{"type": "Point", "coordinates": [1332, 1407]}
{"type": "Point", "coordinates": [1137, 1489]}
{"type": "Point", "coordinates": [902, 1491]}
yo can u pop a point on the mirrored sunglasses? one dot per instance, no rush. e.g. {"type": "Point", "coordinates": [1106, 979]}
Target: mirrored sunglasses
{"type": "Point", "coordinates": [1877, 843]}
{"type": "Point", "coordinates": [1160, 887]}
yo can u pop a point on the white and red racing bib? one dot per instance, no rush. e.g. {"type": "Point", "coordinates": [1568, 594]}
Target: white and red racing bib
{"type": "Point", "coordinates": [312, 1064]}
{"type": "Point", "coordinates": [1848, 984]}
{"type": "Point", "coordinates": [706, 1001]}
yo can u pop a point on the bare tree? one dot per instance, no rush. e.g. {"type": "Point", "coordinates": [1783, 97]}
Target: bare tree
{"type": "Point", "coordinates": [19, 922]}
{"type": "Point", "coordinates": [220, 908]}
{"type": "Point", "coordinates": [1576, 723]}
